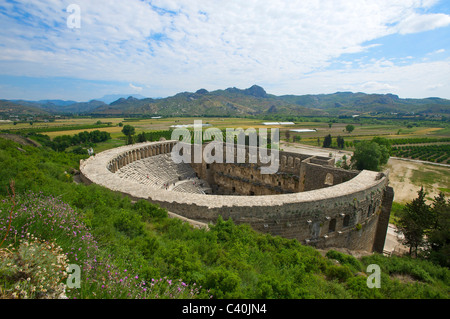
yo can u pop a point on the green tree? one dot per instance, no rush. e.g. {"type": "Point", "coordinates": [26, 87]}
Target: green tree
{"type": "Point", "coordinates": [128, 131]}
{"type": "Point", "coordinates": [385, 148]}
{"type": "Point", "coordinates": [327, 141]}
{"type": "Point", "coordinates": [439, 234]}
{"type": "Point", "coordinates": [368, 155]}
{"type": "Point", "coordinates": [141, 138]}
{"type": "Point", "coordinates": [349, 128]}
{"type": "Point", "coordinates": [414, 220]}
{"type": "Point", "coordinates": [340, 142]}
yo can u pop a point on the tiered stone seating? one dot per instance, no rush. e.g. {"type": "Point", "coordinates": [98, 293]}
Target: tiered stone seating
{"type": "Point", "coordinates": [193, 186]}
{"type": "Point", "coordinates": [161, 172]}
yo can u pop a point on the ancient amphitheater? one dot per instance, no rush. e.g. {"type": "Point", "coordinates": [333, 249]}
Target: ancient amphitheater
{"type": "Point", "coordinates": [307, 199]}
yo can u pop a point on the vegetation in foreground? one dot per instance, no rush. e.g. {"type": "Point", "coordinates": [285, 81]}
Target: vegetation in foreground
{"type": "Point", "coordinates": [133, 250]}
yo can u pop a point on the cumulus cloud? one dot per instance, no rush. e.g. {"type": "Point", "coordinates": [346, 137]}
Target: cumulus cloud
{"type": "Point", "coordinates": [187, 44]}
{"type": "Point", "coordinates": [418, 23]}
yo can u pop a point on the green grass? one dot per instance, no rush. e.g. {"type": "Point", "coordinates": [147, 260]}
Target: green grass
{"type": "Point", "coordinates": [117, 241]}
{"type": "Point", "coordinates": [112, 143]}
{"type": "Point", "coordinates": [428, 175]}
{"type": "Point", "coordinates": [444, 190]}
{"type": "Point", "coordinates": [396, 210]}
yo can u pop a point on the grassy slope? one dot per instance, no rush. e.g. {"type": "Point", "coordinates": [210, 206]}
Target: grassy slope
{"type": "Point", "coordinates": [229, 261]}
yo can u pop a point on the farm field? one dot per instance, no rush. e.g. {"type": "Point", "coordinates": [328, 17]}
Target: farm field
{"type": "Point", "coordinates": [417, 142]}
{"type": "Point", "coordinates": [439, 153]}
{"type": "Point", "coordinates": [322, 128]}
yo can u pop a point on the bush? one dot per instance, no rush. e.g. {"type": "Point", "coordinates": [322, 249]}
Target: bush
{"type": "Point", "coordinates": [148, 211]}
{"type": "Point", "coordinates": [341, 273]}
{"type": "Point", "coordinates": [357, 286]}
{"type": "Point", "coordinates": [129, 223]}
{"type": "Point", "coordinates": [33, 270]}
{"type": "Point", "coordinates": [354, 264]}
{"type": "Point", "coordinates": [223, 283]}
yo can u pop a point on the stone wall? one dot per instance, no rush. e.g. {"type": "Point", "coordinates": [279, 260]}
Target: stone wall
{"type": "Point", "coordinates": [343, 213]}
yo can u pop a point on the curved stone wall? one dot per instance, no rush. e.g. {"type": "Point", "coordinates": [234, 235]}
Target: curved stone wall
{"type": "Point", "coordinates": [351, 214]}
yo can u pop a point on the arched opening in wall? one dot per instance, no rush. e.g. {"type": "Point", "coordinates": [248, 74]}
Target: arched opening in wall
{"type": "Point", "coordinates": [233, 189]}
{"type": "Point", "coordinates": [207, 166]}
{"type": "Point", "coordinates": [332, 225]}
{"type": "Point", "coordinates": [346, 220]}
{"type": "Point", "coordinates": [329, 179]}
{"type": "Point", "coordinates": [252, 193]}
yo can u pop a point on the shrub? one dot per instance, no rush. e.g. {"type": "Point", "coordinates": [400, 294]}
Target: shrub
{"type": "Point", "coordinates": [341, 273]}
{"type": "Point", "coordinates": [35, 269]}
{"type": "Point", "coordinates": [223, 283]}
{"type": "Point", "coordinates": [344, 259]}
{"type": "Point", "coordinates": [128, 223]}
{"type": "Point", "coordinates": [148, 210]}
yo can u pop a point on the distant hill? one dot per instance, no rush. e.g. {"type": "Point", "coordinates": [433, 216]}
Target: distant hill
{"type": "Point", "coordinates": [107, 99]}
{"type": "Point", "coordinates": [251, 101]}
{"type": "Point", "coordinates": [256, 101]}
{"type": "Point", "coordinates": [9, 108]}
{"type": "Point", "coordinates": [347, 103]}
{"type": "Point", "coordinates": [228, 102]}
{"type": "Point", "coordinates": [61, 106]}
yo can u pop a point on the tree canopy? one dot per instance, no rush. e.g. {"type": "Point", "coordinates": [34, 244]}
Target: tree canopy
{"type": "Point", "coordinates": [426, 227]}
{"type": "Point", "coordinates": [128, 130]}
{"type": "Point", "coordinates": [327, 141]}
{"type": "Point", "coordinates": [371, 155]}
{"type": "Point", "coordinates": [367, 155]}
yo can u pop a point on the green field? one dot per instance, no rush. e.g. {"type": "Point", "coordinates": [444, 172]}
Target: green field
{"type": "Point", "coordinates": [364, 130]}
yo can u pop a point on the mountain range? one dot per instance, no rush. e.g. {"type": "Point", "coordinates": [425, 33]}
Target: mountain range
{"type": "Point", "coordinates": [236, 102]}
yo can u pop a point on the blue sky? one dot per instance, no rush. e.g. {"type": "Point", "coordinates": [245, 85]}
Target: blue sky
{"type": "Point", "coordinates": [161, 47]}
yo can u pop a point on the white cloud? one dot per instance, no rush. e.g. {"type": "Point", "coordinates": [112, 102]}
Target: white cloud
{"type": "Point", "coordinates": [418, 23]}
{"type": "Point", "coordinates": [174, 46]}
{"type": "Point", "coordinates": [407, 81]}
{"type": "Point", "coordinates": [437, 52]}
{"type": "Point", "coordinates": [136, 88]}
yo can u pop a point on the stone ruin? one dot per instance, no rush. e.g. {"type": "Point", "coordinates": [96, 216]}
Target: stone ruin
{"type": "Point", "coordinates": [308, 199]}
